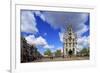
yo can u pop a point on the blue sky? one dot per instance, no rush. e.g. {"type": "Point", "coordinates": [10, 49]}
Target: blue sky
{"type": "Point", "coordinates": [45, 29]}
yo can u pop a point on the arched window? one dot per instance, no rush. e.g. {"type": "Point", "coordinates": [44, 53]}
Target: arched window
{"type": "Point", "coordinates": [70, 38]}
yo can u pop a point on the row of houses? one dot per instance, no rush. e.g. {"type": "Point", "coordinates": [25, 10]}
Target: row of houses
{"type": "Point", "coordinates": [28, 52]}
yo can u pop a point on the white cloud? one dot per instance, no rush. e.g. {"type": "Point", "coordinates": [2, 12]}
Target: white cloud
{"type": "Point", "coordinates": [49, 46]}
{"type": "Point", "coordinates": [36, 41]}
{"type": "Point", "coordinates": [38, 13]}
{"type": "Point", "coordinates": [28, 22]}
{"type": "Point", "coordinates": [57, 20]}
{"type": "Point", "coordinates": [39, 41]}
{"type": "Point", "coordinates": [82, 30]}
{"type": "Point", "coordinates": [61, 36]}
{"type": "Point", "coordinates": [60, 20]}
{"type": "Point", "coordinates": [30, 39]}
{"type": "Point", "coordinates": [83, 42]}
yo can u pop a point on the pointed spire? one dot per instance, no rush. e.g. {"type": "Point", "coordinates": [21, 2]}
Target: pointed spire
{"type": "Point", "coordinates": [69, 27]}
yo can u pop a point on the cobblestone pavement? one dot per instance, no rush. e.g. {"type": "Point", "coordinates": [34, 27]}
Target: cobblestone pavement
{"type": "Point", "coordinates": [61, 59]}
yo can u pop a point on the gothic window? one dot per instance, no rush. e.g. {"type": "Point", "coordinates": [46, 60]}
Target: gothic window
{"type": "Point", "coordinates": [66, 49]}
{"type": "Point", "coordinates": [70, 44]}
{"type": "Point", "coordinates": [70, 38]}
{"type": "Point", "coordinates": [73, 40]}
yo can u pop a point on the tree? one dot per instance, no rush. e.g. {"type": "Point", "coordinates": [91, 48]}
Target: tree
{"type": "Point", "coordinates": [85, 52]}
{"type": "Point", "coordinates": [28, 52]}
{"type": "Point", "coordinates": [58, 53]}
{"type": "Point", "coordinates": [23, 50]}
{"type": "Point", "coordinates": [48, 52]}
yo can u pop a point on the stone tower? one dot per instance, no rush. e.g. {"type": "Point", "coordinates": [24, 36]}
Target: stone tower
{"type": "Point", "coordinates": [70, 42]}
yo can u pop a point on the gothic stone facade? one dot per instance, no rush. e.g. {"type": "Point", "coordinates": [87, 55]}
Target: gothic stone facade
{"type": "Point", "coordinates": [70, 42]}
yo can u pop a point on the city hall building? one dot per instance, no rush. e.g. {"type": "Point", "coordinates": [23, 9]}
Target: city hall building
{"type": "Point", "coordinates": [70, 41]}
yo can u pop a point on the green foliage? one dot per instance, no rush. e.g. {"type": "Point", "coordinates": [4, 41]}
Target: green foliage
{"type": "Point", "coordinates": [85, 52]}
{"type": "Point", "coordinates": [48, 52]}
{"type": "Point", "coordinates": [58, 53]}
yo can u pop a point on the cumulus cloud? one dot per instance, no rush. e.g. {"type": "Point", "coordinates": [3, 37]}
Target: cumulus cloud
{"type": "Point", "coordinates": [83, 30]}
{"type": "Point", "coordinates": [28, 25]}
{"type": "Point", "coordinates": [49, 46]}
{"type": "Point", "coordinates": [61, 36]}
{"type": "Point", "coordinates": [38, 13]}
{"type": "Point", "coordinates": [39, 41]}
{"type": "Point", "coordinates": [30, 39]}
{"type": "Point", "coordinates": [28, 22]}
{"type": "Point", "coordinates": [83, 42]}
{"type": "Point", "coordinates": [59, 20]}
